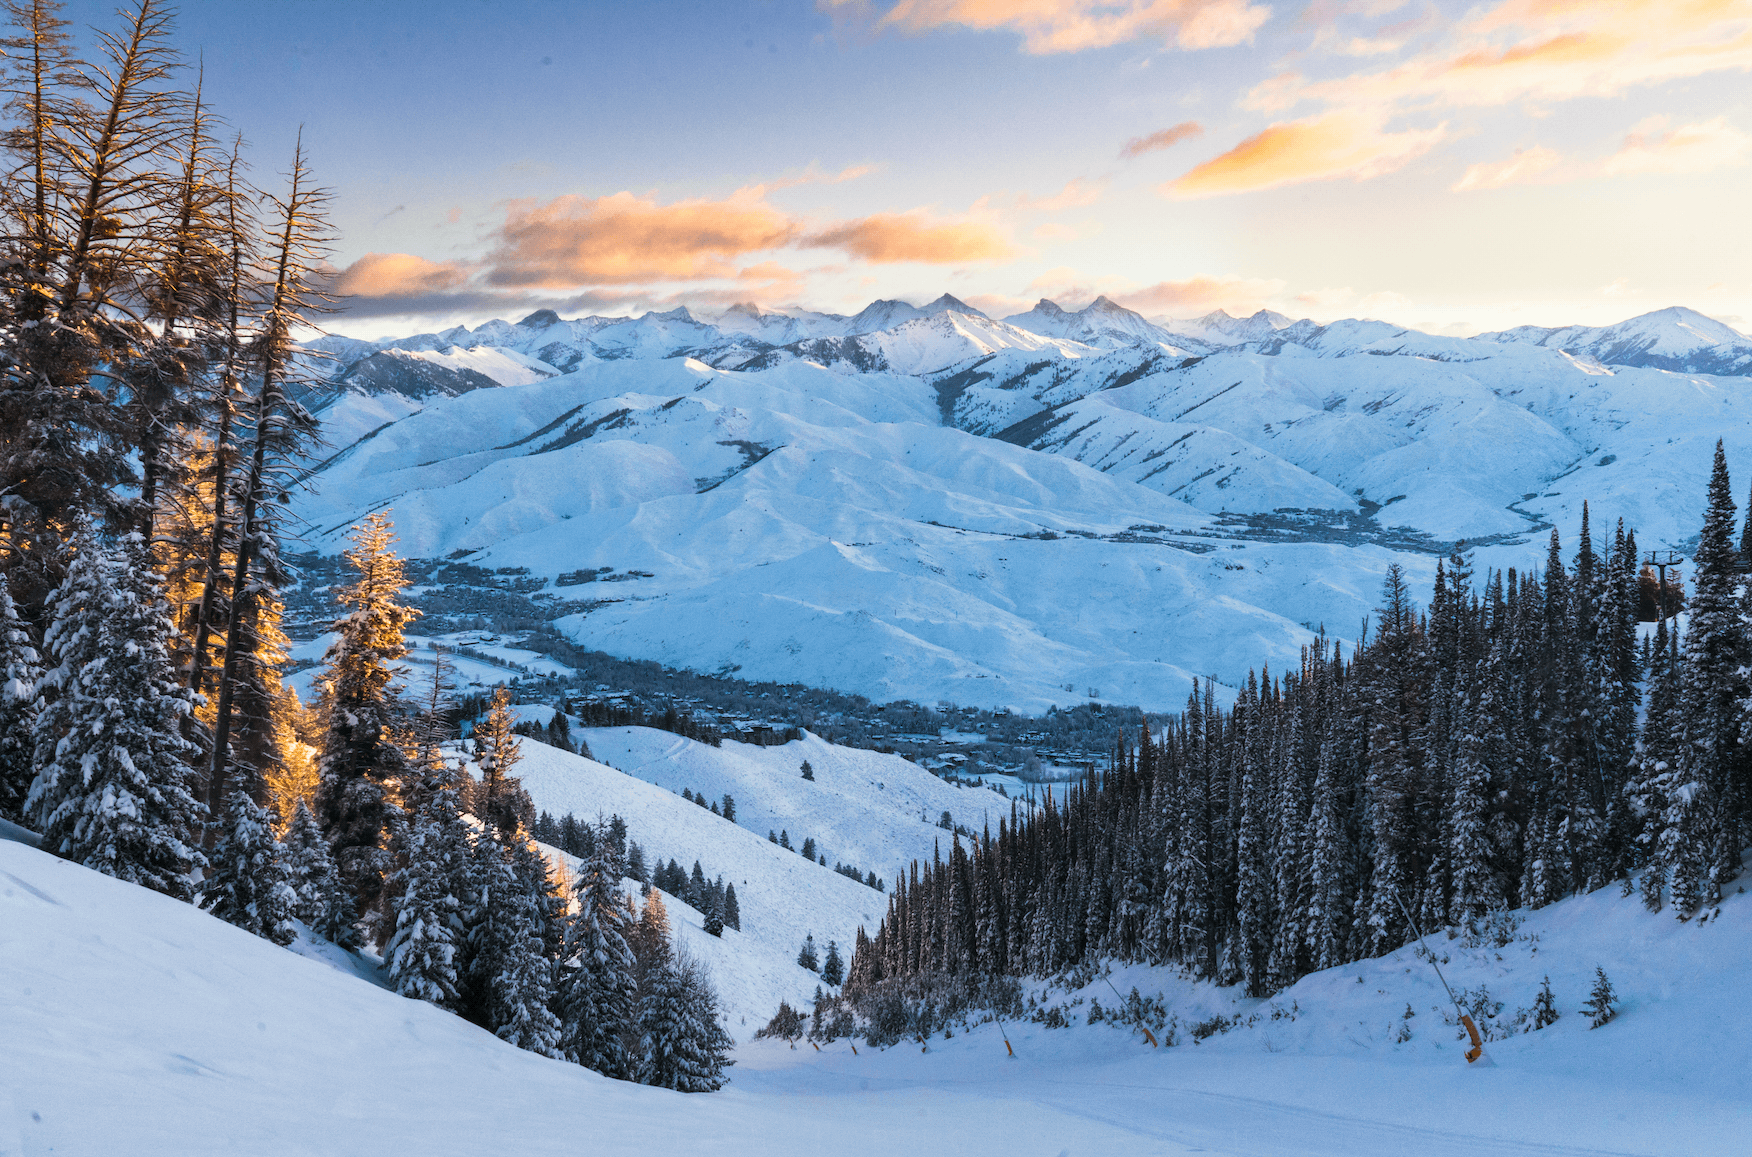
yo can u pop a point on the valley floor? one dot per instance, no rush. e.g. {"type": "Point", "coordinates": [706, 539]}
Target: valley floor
{"type": "Point", "coordinates": [130, 1023]}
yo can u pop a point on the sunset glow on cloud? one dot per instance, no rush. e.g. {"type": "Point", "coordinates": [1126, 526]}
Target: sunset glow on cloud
{"type": "Point", "coordinates": [1457, 164]}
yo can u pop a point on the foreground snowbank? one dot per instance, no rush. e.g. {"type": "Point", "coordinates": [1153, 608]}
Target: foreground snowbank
{"type": "Point", "coordinates": [130, 1023]}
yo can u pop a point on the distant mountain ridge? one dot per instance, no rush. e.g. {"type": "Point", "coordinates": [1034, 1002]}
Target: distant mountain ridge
{"type": "Point", "coordinates": [1023, 511]}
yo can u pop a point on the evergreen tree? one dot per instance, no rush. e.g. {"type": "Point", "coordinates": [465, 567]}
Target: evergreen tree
{"type": "Point", "coordinates": [20, 671]}
{"type": "Point", "coordinates": [808, 849]}
{"type": "Point", "coordinates": [320, 900]}
{"type": "Point", "coordinates": [596, 988]}
{"type": "Point", "coordinates": [112, 790]}
{"type": "Point", "coordinates": [833, 968]}
{"type": "Point", "coordinates": [714, 915]}
{"type": "Point", "coordinates": [497, 751]}
{"type": "Point", "coordinates": [246, 884]}
{"type": "Point", "coordinates": [362, 763]}
{"type": "Point", "coordinates": [732, 911]}
{"type": "Point", "coordinates": [684, 1046]}
{"type": "Point", "coordinates": [729, 809]}
{"type": "Point", "coordinates": [1706, 809]}
{"type": "Point", "coordinates": [425, 954]}
{"type": "Point", "coordinates": [1545, 1012]}
{"type": "Point", "coordinates": [806, 956]}
{"type": "Point", "coordinates": [1600, 999]}
{"type": "Point", "coordinates": [808, 772]}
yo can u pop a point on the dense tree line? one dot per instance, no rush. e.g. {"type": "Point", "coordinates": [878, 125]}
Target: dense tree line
{"type": "Point", "coordinates": [1478, 755]}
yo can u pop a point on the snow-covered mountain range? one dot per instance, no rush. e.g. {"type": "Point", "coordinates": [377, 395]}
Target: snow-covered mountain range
{"type": "Point", "coordinates": [927, 502]}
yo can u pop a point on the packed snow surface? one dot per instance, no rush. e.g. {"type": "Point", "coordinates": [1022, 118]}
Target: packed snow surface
{"type": "Point", "coordinates": [135, 1023]}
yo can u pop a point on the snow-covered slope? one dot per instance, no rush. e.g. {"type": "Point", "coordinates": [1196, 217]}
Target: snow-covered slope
{"type": "Point", "coordinates": [1103, 323]}
{"type": "Point", "coordinates": [134, 1023]}
{"type": "Point", "coordinates": [1675, 338]}
{"type": "Point", "coordinates": [924, 502]}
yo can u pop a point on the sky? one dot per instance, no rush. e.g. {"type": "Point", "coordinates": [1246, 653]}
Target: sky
{"type": "Point", "coordinates": [1457, 167]}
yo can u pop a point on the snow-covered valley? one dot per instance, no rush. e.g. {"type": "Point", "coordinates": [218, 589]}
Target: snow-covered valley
{"type": "Point", "coordinates": [928, 503]}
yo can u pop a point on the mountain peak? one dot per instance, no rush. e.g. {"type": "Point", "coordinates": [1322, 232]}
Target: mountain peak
{"type": "Point", "coordinates": [948, 303]}
{"type": "Point", "coordinates": [1048, 308]}
{"type": "Point", "coordinates": [679, 313]}
{"type": "Point", "coordinates": [540, 319]}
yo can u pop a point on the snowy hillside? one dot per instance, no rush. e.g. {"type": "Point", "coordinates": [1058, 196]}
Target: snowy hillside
{"type": "Point", "coordinates": [185, 1030]}
{"type": "Point", "coordinates": [923, 502]}
{"type": "Point", "coordinates": [1676, 339]}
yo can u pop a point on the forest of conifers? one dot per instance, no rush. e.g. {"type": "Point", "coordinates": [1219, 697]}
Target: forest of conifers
{"type": "Point", "coordinates": [1507, 746]}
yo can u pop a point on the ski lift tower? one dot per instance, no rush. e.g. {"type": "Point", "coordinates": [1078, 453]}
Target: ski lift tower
{"type": "Point", "coordinates": [1661, 560]}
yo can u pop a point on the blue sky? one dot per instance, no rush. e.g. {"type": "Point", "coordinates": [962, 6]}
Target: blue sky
{"type": "Point", "coordinates": [1452, 166]}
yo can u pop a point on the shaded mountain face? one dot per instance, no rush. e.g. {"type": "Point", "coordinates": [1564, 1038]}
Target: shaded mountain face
{"type": "Point", "coordinates": [1001, 513]}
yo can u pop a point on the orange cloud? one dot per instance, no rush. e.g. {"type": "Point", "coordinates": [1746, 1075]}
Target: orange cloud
{"type": "Point", "coordinates": [1545, 50]}
{"type": "Point", "coordinates": [891, 237]}
{"type": "Point", "coordinates": [1526, 167]}
{"type": "Point", "coordinates": [398, 275]}
{"type": "Point", "coordinates": [1651, 147]}
{"type": "Point", "coordinates": [624, 239]}
{"type": "Point", "coordinates": [1173, 135]}
{"type": "Point", "coordinates": [1320, 148]}
{"type": "Point", "coordinates": [1049, 26]}
{"type": "Point", "coordinates": [1199, 295]}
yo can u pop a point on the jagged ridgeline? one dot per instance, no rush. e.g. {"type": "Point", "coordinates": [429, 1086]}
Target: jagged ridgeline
{"type": "Point", "coordinates": [1478, 755]}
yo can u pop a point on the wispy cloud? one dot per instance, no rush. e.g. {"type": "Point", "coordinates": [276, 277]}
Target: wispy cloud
{"type": "Point", "coordinates": [1321, 148]}
{"type": "Point", "coordinates": [1537, 165]}
{"type": "Point", "coordinates": [1161, 139]}
{"type": "Point", "coordinates": [892, 237]}
{"type": "Point", "coordinates": [1049, 26]}
{"type": "Point", "coordinates": [1652, 147]}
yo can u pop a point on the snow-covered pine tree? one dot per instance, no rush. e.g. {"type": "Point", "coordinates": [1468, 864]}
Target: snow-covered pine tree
{"type": "Point", "coordinates": [1706, 808]}
{"type": "Point", "coordinates": [362, 763]}
{"type": "Point", "coordinates": [1545, 1012]}
{"type": "Point", "coordinates": [425, 953]}
{"type": "Point", "coordinates": [833, 969]}
{"type": "Point", "coordinates": [714, 915]}
{"type": "Point", "coordinates": [596, 986]}
{"type": "Point", "coordinates": [522, 985]}
{"type": "Point", "coordinates": [808, 771]}
{"type": "Point", "coordinates": [310, 869]}
{"type": "Point", "coordinates": [20, 671]}
{"type": "Point", "coordinates": [806, 956]}
{"type": "Point", "coordinates": [246, 882]}
{"type": "Point", "coordinates": [497, 751]}
{"type": "Point", "coordinates": [1600, 1000]}
{"type": "Point", "coordinates": [113, 785]}
{"type": "Point", "coordinates": [684, 1046]}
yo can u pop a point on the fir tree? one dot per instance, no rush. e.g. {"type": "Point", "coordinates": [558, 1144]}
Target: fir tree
{"type": "Point", "coordinates": [833, 968]}
{"type": "Point", "coordinates": [732, 910]}
{"type": "Point", "coordinates": [714, 916]}
{"type": "Point", "coordinates": [596, 988]}
{"type": "Point", "coordinates": [497, 751]}
{"type": "Point", "coordinates": [684, 1046]}
{"type": "Point", "coordinates": [1545, 1011]}
{"type": "Point", "coordinates": [808, 772]}
{"type": "Point", "coordinates": [424, 955]}
{"type": "Point", "coordinates": [729, 809]}
{"type": "Point", "coordinates": [362, 763]}
{"type": "Point", "coordinates": [112, 790]}
{"type": "Point", "coordinates": [1600, 999]}
{"type": "Point", "coordinates": [246, 883]}
{"type": "Point", "coordinates": [806, 956]}
{"type": "Point", "coordinates": [310, 869]}
{"type": "Point", "coordinates": [20, 671]}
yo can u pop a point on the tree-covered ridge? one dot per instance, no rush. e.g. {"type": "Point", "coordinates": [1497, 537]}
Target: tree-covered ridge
{"type": "Point", "coordinates": [1481, 754]}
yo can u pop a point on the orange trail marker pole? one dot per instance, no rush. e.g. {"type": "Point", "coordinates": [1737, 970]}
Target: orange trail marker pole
{"type": "Point", "coordinates": [1477, 1050]}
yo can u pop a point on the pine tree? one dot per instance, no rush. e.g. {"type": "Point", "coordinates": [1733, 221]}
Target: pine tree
{"type": "Point", "coordinates": [714, 915]}
{"type": "Point", "coordinates": [521, 984]}
{"type": "Point", "coordinates": [362, 763]}
{"type": "Point", "coordinates": [596, 987]}
{"type": "Point", "coordinates": [20, 671]}
{"type": "Point", "coordinates": [806, 956]}
{"type": "Point", "coordinates": [1545, 1012]}
{"type": "Point", "coordinates": [684, 1046]}
{"type": "Point", "coordinates": [246, 883]}
{"type": "Point", "coordinates": [729, 809]}
{"type": "Point", "coordinates": [425, 953]}
{"type": "Point", "coordinates": [1707, 809]}
{"type": "Point", "coordinates": [732, 910]}
{"type": "Point", "coordinates": [112, 790]}
{"type": "Point", "coordinates": [807, 851]}
{"type": "Point", "coordinates": [497, 751]}
{"type": "Point", "coordinates": [310, 869]}
{"type": "Point", "coordinates": [808, 772]}
{"type": "Point", "coordinates": [833, 968]}
{"type": "Point", "coordinates": [1599, 1007]}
